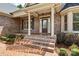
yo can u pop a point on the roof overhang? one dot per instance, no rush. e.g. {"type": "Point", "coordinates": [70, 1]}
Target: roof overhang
{"type": "Point", "coordinates": [38, 8]}
{"type": "Point", "coordinates": [5, 14]}
{"type": "Point", "coordinates": [73, 9]}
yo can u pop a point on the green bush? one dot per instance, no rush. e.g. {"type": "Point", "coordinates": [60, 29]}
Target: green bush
{"type": "Point", "coordinates": [77, 40]}
{"type": "Point", "coordinates": [75, 52]}
{"type": "Point", "coordinates": [60, 37]}
{"type": "Point", "coordinates": [10, 40]}
{"type": "Point", "coordinates": [69, 39]}
{"type": "Point", "coordinates": [3, 38]}
{"type": "Point", "coordinates": [10, 36]}
{"type": "Point", "coordinates": [63, 52]}
{"type": "Point", "coordinates": [73, 46]}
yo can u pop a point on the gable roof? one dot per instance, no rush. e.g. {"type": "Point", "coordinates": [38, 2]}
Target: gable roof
{"type": "Point", "coordinates": [67, 5]}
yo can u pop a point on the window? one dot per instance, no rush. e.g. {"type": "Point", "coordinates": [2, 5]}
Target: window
{"type": "Point", "coordinates": [76, 21]}
{"type": "Point", "coordinates": [25, 24]}
{"type": "Point", "coordinates": [32, 23]}
{"type": "Point", "coordinates": [65, 23]}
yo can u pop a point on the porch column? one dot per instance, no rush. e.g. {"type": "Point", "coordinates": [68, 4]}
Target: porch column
{"type": "Point", "coordinates": [29, 26]}
{"type": "Point", "coordinates": [52, 21]}
{"type": "Point", "coordinates": [70, 21]}
{"type": "Point", "coordinates": [40, 28]}
{"type": "Point", "coordinates": [62, 23]}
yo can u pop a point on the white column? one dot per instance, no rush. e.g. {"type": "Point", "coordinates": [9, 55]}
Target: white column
{"type": "Point", "coordinates": [70, 21]}
{"type": "Point", "coordinates": [40, 28]}
{"type": "Point", "coordinates": [62, 23]}
{"type": "Point", "coordinates": [52, 21]}
{"type": "Point", "coordinates": [48, 25]}
{"type": "Point", "coordinates": [29, 24]}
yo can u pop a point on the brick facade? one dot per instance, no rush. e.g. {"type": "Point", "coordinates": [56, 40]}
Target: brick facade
{"type": "Point", "coordinates": [15, 25]}
{"type": "Point", "coordinates": [9, 25]}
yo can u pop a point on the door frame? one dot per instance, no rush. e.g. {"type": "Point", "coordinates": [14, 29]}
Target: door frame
{"type": "Point", "coordinates": [46, 19]}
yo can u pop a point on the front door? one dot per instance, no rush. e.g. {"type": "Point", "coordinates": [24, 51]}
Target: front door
{"type": "Point", "coordinates": [44, 25]}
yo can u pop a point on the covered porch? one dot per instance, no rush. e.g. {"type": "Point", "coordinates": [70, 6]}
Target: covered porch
{"type": "Point", "coordinates": [37, 19]}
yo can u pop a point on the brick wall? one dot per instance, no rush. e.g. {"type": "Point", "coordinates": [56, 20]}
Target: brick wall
{"type": "Point", "coordinates": [9, 25]}
{"type": "Point", "coordinates": [57, 24]}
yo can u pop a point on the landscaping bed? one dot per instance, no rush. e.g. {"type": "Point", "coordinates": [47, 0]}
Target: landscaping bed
{"type": "Point", "coordinates": [10, 38]}
{"type": "Point", "coordinates": [68, 44]}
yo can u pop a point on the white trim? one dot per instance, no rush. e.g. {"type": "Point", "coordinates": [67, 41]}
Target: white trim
{"type": "Point", "coordinates": [29, 24]}
{"type": "Point", "coordinates": [52, 21]}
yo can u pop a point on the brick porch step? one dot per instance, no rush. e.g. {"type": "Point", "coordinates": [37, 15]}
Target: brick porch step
{"type": "Point", "coordinates": [42, 39]}
{"type": "Point", "coordinates": [46, 48]}
{"type": "Point", "coordinates": [42, 42]}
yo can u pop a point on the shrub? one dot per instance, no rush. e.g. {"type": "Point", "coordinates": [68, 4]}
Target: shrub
{"type": "Point", "coordinates": [60, 37]}
{"type": "Point", "coordinates": [75, 52]}
{"type": "Point", "coordinates": [63, 52]}
{"type": "Point", "coordinates": [3, 38]}
{"type": "Point", "coordinates": [69, 39]}
{"type": "Point", "coordinates": [73, 46]}
{"type": "Point", "coordinates": [10, 36]}
{"type": "Point", "coordinates": [77, 40]}
{"type": "Point", "coordinates": [19, 37]}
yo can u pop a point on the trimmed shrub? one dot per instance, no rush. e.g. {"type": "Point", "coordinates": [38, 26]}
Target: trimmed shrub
{"type": "Point", "coordinates": [75, 52]}
{"type": "Point", "coordinates": [63, 52]}
{"type": "Point", "coordinates": [69, 39]}
{"type": "Point", "coordinates": [60, 37]}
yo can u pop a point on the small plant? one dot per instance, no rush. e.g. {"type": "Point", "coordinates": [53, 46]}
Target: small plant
{"type": "Point", "coordinates": [75, 52]}
{"type": "Point", "coordinates": [73, 46]}
{"type": "Point", "coordinates": [19, 37]}
{"type": "Point", "coordinates": [10, 36]}
{"type": "Point", "coordinates": [3, 38]}
{"type": "Point", "coordinates": [63, 52]}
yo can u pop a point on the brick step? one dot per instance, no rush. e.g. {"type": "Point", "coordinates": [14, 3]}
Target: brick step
{"type": "Point", "coordinates": [46, 48]}
{"type": "Point", "coordinates": [37, 43]}
{"type": "Point", "coordinates": [42, 39]}
{"type": "Point", "coordinates": [43, 43]}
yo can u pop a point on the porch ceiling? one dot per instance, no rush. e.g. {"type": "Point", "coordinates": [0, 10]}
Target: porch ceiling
{"type": "Point", "coordinates": [34, 10]}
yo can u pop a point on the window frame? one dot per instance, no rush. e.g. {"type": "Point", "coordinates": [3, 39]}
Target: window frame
{"type": "Point", "coordinates": [75, 22]}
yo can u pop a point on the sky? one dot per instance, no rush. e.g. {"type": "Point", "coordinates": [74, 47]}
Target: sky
{"type": "Point", "coordinates": [18, 4]}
